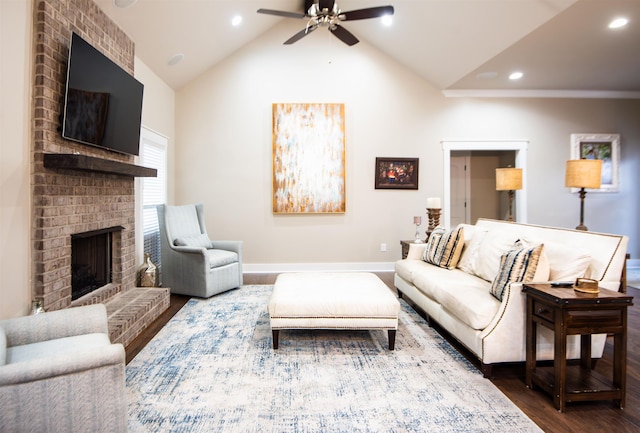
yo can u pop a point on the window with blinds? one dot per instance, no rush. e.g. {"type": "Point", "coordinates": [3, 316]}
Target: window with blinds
{"type": "Point", "coordinates": [153, 154]}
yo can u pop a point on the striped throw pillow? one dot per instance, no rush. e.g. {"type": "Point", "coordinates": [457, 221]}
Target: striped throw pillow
{"type": "Point", "coordinates": [516, 265]}
{"type": "Point", "coordinates": [444, 247]}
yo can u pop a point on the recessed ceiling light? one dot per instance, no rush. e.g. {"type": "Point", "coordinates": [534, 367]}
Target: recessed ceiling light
{"type": "Point", "coordinates": [175, 59]}
{"type": "Point", "coordinates": [123, 3]}
{"type": "Point", "coordinates": [516, 75]}
{"type": "Point", "coordinates": [618, 23]}
{"type": "Point", "coordinates": [235, 21]}
{"type": "Point", "coordinates": [387, 20]}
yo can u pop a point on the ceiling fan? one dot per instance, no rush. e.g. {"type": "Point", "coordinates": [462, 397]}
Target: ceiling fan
{"type": "Point", "coordinates": [326, 13]}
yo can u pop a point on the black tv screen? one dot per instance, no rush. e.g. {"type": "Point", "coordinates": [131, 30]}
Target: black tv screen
{"type": "Point", "coordinates": [102, 102]}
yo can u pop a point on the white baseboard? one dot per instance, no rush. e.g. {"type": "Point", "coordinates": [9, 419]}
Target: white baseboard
{"type": "Point", "coordinates": [275, 268]}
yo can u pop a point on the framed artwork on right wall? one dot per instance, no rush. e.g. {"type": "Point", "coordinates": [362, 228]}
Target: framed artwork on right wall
{"type": "Point", "coordinates": [599, 146]}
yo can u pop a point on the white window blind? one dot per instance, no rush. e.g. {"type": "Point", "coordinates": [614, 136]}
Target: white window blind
{"type": "Point", "coordinates": [153, 154]}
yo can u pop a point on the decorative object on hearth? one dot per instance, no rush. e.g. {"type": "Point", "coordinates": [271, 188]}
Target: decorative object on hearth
{"type": "Point", "coordinates": [417, 220]}
{"type": "Point", "coordinates": [433, 212]}
{"type": "Point", "coordinates": [583, 173]}
{"type": "Point", "coordinates": [326, 13]}
{"type": "Point", "coordinates": [148, 275]}
{"type": "Point", "coordinates": [509, 179]}
{"type": "Point", "coordinates": [37, 306]}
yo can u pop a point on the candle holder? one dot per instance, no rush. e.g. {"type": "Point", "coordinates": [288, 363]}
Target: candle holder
{"type": "Point", "coordinates": [417, 220]}
{"type": "Point", "coordinates": [434, 219]}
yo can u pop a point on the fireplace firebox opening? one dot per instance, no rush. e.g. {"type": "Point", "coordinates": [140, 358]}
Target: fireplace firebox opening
{"type": "Point", "coordinates": [91, 260]}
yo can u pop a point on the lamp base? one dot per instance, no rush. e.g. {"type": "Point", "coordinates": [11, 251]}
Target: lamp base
{"type": "Point", "coordinates": [582, 227]}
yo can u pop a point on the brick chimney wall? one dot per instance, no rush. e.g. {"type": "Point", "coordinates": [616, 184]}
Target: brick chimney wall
{"type": "Point", "coordinates": [66, 202]}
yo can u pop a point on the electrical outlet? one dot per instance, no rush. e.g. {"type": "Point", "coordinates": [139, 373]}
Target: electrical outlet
{"type": "Point", "coordinates": [383, 247]}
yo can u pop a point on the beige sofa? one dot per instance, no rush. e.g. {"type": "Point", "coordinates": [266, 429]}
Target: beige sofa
{"type": "Point", "coordinates": [460, 299]}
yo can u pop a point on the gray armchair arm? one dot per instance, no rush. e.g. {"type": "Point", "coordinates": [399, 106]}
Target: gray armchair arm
{"type": "Point", "coordinates": [69, 322]}
{"type": "Point", "coordinates": [191, 250]}
{"type": "Point", "coordinates": [59, 365]}
{"type": "Point", "coordinates": [235, 246]}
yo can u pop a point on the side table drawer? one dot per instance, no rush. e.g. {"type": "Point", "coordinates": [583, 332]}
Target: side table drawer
{"type": "Point", "coordinates": [543, 311]}
{"type": "Point", "coordinates": [582, 318]}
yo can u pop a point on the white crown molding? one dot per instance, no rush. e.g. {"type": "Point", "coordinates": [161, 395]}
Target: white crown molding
{"type": "Point", "coordinates": [273, 268]}
{"type": "Point", "coordinates": [512, 93]}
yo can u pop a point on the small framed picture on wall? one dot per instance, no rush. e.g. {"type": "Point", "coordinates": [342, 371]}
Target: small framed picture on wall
{"type": "Point", "coordinates": [396, 173]}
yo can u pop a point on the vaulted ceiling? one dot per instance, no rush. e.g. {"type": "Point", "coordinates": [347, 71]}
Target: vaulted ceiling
{"type": "Point", "coordinates": [463, 47]}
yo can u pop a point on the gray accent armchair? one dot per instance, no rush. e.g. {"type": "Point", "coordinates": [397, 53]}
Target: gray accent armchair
{"type": "Point", "coordinates": [60, 373]}
{"type": "Point", "coordinates": [192, 264]}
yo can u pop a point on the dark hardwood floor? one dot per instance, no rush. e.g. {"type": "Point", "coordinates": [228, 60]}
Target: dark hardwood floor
{"type": "Point", "coordinates": [599, 416]}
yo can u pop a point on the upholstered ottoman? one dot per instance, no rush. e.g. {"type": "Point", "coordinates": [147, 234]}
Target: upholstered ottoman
{"type": "Point", "coordinates": [332, 301]}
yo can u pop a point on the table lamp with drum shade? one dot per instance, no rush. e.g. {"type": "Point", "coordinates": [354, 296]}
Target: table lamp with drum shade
{"type": "Point", "coordinates": [509, 179]}
{"type": "Point", "coordinates": [583, 173]}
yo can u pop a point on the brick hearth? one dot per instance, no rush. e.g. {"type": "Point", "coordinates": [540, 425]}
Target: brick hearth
{"type": "Point", "coordinates": [66, 202]}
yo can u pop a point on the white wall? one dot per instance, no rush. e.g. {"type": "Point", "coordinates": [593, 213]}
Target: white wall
{"type": "Point", "coordinates": [223, 151]}
{"type": "Point", "coordinates": [15, 140]}
{"type": "Point", "coordinates": [158, 115]}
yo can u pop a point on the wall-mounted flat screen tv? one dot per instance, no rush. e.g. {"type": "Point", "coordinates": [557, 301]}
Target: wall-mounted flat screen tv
{"type": "Point", "coordinates": [102, 102]}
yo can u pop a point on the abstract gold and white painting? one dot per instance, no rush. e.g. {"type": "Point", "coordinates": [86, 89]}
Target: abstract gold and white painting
{"type": "Point", "coordinates": [308, 158]}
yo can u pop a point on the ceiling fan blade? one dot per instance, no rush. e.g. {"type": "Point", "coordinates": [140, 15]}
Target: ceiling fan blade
{"type": "Point", "coordinates": [363, 14]}
{"type": "Point", "coordinates": [301, 34]}
{"type": "Point", "coordinates": [344, 35]}
{"type": "Point", "coordinates": [281, 13]}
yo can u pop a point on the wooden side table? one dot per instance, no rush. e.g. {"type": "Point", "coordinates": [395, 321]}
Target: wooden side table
{"type": "Point", "coordinates": [405, 248]}
{"type": "Point", "coordinates": [568, 312]}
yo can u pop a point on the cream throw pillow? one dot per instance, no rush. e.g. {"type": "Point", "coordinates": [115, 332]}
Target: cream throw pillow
{"type": "Point", "coordinates": [566, 263]}
{"type": "Point", "coordinates": [516, 265]}
{"type": "Point", "coordinates": [444, 247]}
{"type": "Point", "coordinates": [490, 250]}
{"type": "Point", "coordinates": [472, 240]}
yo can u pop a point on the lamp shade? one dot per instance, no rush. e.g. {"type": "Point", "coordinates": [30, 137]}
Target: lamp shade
{"type": "Point", "coordinates": [583, 173]}
{"type": "Point", "coordinates": [508, 179]}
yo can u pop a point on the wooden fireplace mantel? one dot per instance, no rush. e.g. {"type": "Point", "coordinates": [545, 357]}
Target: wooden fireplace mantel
{"type": "Point", "coordinates": [70, 161]}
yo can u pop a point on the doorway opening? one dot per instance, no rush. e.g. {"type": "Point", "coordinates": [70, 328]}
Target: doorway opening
{"type": "Point", "coordinates": [473, 185]}
{"type": "Point", "coordinates": [469, 180]}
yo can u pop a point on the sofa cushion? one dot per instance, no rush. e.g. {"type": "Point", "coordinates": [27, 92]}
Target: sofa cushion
{"type": "Point", "coordinates": [463, 295]}
{"type": "Point", "coordinates": [444, 247]}
{"type": "Point", "coordinates": [408, 268]}
{"type": "Point", "coordinates": [516, 265]}
{"type": "Point", "coordinates": [50, 348]}
{"type": "Point", "coordinates": [200, 240]}
{"type": "Point", "coordinates": [219, 258]}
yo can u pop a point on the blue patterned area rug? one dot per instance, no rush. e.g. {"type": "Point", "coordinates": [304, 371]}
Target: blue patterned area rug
{"type": "Point", "coordinates": [212, 369]}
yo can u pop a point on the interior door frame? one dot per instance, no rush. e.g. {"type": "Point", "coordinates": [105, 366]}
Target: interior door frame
{"type": "Point", "coordinates": [467, 185]}
{"type": "Point", "coordinates": [520, 149]}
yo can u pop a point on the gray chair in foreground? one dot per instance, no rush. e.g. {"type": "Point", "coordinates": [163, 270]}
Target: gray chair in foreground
{"type": "Point", "coordinates": [192, 264]}
{"type": "Point", "coordinates": [60, 373]}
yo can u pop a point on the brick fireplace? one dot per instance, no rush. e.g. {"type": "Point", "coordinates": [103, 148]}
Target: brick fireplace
{"type": "Point", "coordinates": [67, 202]}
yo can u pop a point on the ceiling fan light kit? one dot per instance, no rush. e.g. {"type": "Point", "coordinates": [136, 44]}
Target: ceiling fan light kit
{"type": "Point", "coordinates": [326, 13]}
